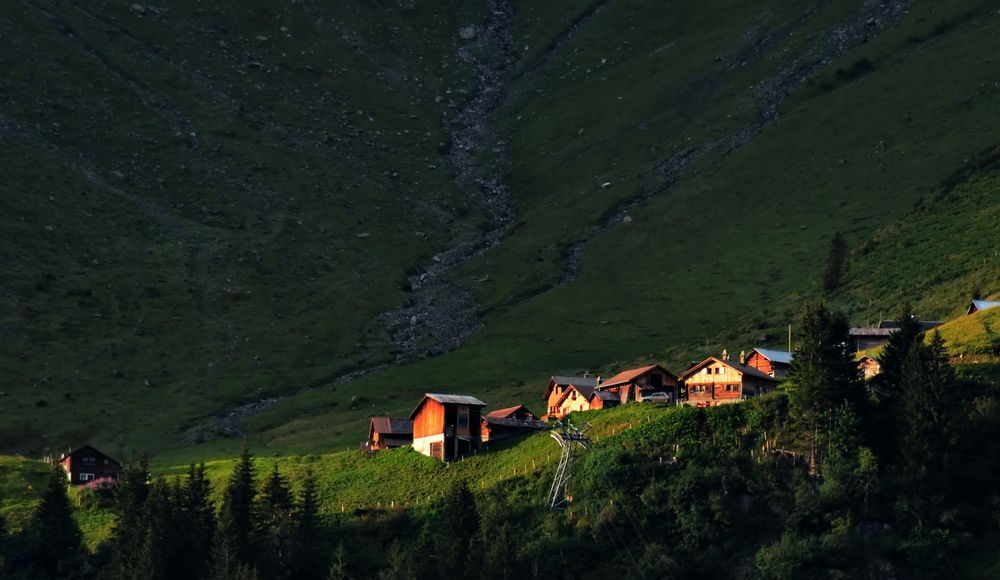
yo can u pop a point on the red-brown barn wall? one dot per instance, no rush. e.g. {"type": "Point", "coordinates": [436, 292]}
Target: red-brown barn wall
{"type": "Point", "coordinates": [430, 419]}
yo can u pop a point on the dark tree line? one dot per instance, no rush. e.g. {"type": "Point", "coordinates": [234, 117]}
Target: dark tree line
{"type": "Point", "coordinates": [169, 529]}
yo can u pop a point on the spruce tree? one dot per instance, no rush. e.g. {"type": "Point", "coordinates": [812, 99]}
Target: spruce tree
{"type": "Point", "coordinates": [129, 536]}
{"type": "Point", "coordinates": [895, 351]}
{"type": "Point", "coordinates": [823, 376]}
{"type": "Point", "coordinates": [457, 526]}
{"type": "Point", "coordinates": [53, 530]}
{"type": "Point", "coordinates": [197, 518]}
{"type": "Point", "coordinates": [3, 545]}
{"type": "Point", "coordinates": [835, 263]}
{"type": "Point", "coordinates": [306, 559]}
{"type": "Point", "coordinates": [274, 526]}
{"type": "Point", "coordinates": [234, 537]}
{"type": "Point", "coordinates": [930, 418]}
{"type": "Point", "coordinates": [161, 532]}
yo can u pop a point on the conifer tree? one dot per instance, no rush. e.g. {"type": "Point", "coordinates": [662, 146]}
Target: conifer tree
{"type": "Point", "coordinates": [128, 539]}
{"type": "Point", "coordinates": [835, 263]}
{"type": "Point", "coordinates": [3, 545]}
{"type": "Point", "coordinates": [161, 527]}
{"type": "Point", "coordinates": [895, 351]}
{"type": "Point", "coordinates": [930, 420]}
{"type": "Point", "coordinates": [823, 376]}
{"type": "Point", "coordinates": [197, 518]}
{"type": "Point", "coordinates": [306, 558]}
{"type": "Point", "coordinates": [234, 537]}
{"type": "Point", "coordinates": [54, 532]}
{"type": "Point", "coordinates": [274, 526]}
{"type": "Point", "coordinates": [457, 548]}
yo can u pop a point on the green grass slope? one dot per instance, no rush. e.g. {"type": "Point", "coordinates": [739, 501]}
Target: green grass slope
{"type": "Point", "coordinates": [725, 257]}
{"type": "Point", "coordinates": [182, 216]}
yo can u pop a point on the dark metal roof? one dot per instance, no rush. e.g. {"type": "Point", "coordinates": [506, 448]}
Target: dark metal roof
{"type": "Point", "coordinates": [392, 426]}
{"type": "Point", "coordinates": [448, 400]}
{"type": "Point", "coordinates": [607, 396]}
{"type": "Point", "coordinates": [566, 381]}
{"type": "Point", "coordinates": [520, 423]}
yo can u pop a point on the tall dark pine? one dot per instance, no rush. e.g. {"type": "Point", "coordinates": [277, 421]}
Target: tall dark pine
{"type": "Point", "coordinates": [3, 543]}
{"type": "Point", "coordinates": [274, 526]}
{"type": "Point", "coordinates": [234, 537]}
{"type": "Point", "coordinates": [835, 263]}
{"type": "Point", "coordinates": [129, 534]}
{"type": "Point", "coordinates": [889, 381]}
{"type": "Point", "coordinates": [306, 558]}
{"type": "Point", "coordinates": [196, 515]}
{"type": "Point", "coordinates": [931, 422]}
{"type": "Point", "coordinates": [457, 527]}
{"type": "Point", "coordinates": [162, 532]}
{"type": "Point", "coordinates": [823, 377]}
{"type": "Point", "coordinates": [53, 528]}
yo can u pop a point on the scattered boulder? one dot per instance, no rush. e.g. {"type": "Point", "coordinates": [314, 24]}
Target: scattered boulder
{"type": "Point", "coordinates": [467, 32]}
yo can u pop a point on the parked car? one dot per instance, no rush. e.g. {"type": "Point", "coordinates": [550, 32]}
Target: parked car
{"type": "Point", "coordinates": [657, 397]}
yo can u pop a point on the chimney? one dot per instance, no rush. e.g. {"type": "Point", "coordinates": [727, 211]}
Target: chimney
{"type": "Point", "coordinates": [725, 354]}
{"type": "Point", "coordinates": [599, 379]}
{"type": "Point", "coordinates": [743, 357]}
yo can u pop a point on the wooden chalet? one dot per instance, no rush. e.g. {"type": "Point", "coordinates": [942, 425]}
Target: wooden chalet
{"type": "Point", "coordinates": [389, 432]}
{"type": "Point", "coordinates": [447, 426]}
{"type": "Point", "coordinates": [716, 381]}
{"type": "Point", "coordinates": [509, 422]}
{"type": "Point", "coordinates": [87, 464]}
{"type": "Point", "coordinates": [979, 305]}
{"type": "Point", "coordinates": [632, 384]}
{"type": "Point", "coordinates": [604, 400]}
{"type": "Point", "coordinates": [869, 366]}
{"type": "Point", "coordinates": [557, 385]}
{"type": "Point", "coordinates": [573, 398]}
{"type": "Point", "coordinates": [774, 363]}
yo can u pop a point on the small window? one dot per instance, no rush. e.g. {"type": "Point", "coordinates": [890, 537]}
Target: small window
{"type": "Point", "coordinates": [86, 476]}
{"type": "Point", "coordinates": [463, 420]}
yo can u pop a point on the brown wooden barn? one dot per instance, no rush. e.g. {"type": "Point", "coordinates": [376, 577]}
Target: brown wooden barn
{"type": "Point", "coordinates": [557, 385]}
{"type": "Point", "coordinates": [509, 422]}
{"type": "Point", "coordinates": [870, 366]}
{"type": "Point", "coordinates": [447, 426]}
{"type": "Point", "coordinates": [87, 464]}
{"type": "Point", "coordinates": [604, 400]}
{"type": "Point", "coordinates": [774, 363]}
{"type": "Point", "coordinates": [389, 432]}
{"type": "Point", "coordinates": [715, 381]}
{"type": "Point", "coordinates": [632, 384]}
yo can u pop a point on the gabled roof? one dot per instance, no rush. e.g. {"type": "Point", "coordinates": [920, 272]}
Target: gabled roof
{"type": "Point", "coordinates": [392, 426]}
{"type": "Point", "coordinates": [585, 392]}
{"type": "Point", "coordinates": [504, 413]}
{"type": "Point", "coordinates": [606, 396]}
{"type": "Point", "coordinates": [448, 400]}
{"type": "Point", "coordinates": [983, 305]}
{"type": "Point", "coordinates": [90, 447]}
{"type": "Point", "coordinates": [775, 356]}
{"type": "Point", "coordinates": [514, 422]}
{"type": "Point", "coordinates": [742, 369]}
{"type": "Point", "coordinates": [629, 375]}
{"type": "Point", "coordinates": [565, 381]}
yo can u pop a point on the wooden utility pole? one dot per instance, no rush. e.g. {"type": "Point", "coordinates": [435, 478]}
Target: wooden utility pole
{"type": "Point", "coordinates": [789, 338]}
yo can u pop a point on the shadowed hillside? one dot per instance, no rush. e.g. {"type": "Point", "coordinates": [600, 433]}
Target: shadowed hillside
{"type": "Point", "coordinates": [254, 218]}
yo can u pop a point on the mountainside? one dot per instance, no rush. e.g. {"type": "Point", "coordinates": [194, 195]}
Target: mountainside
{"type": "Point", "coordinates": [277, 220]}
